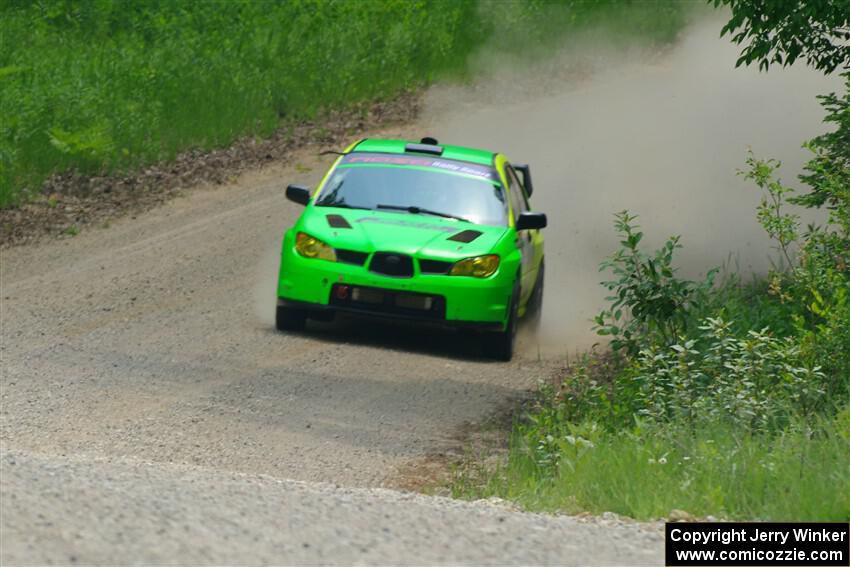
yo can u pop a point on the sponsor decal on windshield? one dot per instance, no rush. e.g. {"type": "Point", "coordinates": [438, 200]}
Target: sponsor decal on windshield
{"type": "Point", "coordinates": [480, 171]}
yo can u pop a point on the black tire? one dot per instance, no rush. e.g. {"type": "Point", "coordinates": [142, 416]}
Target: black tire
{"type": "Point", "coordinates": [322, 316]}
{"type": "Point", "coordinates": [289, 319]}
{"type": "Point", "coordinates": [500, 345]}
{"type": "Point", "coordinates": [534, 308]}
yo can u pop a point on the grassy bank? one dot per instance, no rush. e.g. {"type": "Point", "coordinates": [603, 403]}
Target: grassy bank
{"type": "Point", "coordinates": [111, 86]}
{"type": "Point", "coordinates": [724, 421]}
{"type": "Point", "coordinates": [799, 474]}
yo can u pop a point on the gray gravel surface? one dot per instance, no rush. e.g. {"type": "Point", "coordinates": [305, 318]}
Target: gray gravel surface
{"type": "Point", "coordinates": [155, 339]}
{"type": "Point", "coordinates": [131, 512]}
{"type": "Point", "coordinates": [144, 388]}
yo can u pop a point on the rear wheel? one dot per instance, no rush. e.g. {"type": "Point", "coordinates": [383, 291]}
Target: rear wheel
{"type": "Point", "coordinates": [500, 345]}
{"type": "Point", "coordinates": [290, 319]}
{"type": "Point", "coordinates": [534, 308]}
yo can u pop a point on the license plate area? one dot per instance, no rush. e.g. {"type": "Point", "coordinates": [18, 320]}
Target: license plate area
{"type": "Point", "coordinates": [367, 295]}
{"type": "Point", "coordinates": [378, 300]}
{"type": "Point", "coordinates": [408, 301]}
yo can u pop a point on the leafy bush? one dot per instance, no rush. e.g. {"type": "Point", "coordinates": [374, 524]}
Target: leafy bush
{"type": "Point", "coordinates": [780, 32]}
{"type": "Point", "coordinates": [815, 290]}
{"type": "Point", "coordinates": [656, 303]}
{"type": "Point", "coordinates": [757, 382]}
{"type": "Point", "coordinates": [829, 170]}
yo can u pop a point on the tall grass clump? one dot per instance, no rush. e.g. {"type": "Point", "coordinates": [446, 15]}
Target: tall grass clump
{"type": "Point", "coordinates": [717, 398]}
{"type": "Point", "coordinates": [113, 85]}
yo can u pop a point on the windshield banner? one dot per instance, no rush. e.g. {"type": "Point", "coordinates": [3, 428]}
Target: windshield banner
{"type": "Point", "coordinates": [475, 170]}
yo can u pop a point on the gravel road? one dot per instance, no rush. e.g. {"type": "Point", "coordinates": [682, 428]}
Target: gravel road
{"type": "Point", "coordinates": [129, 512]}
{"type": "Point", "coordinates": [155, 339]}
{"type": "Point", "coordinates": [150, 411]}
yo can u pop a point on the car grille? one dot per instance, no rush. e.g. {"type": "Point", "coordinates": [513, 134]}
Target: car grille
{"type": "Point", "coordinates": [391, 264]}
{"type": "Point", "coordinates": [434, 266]}
{"type": "Point", "coordinates": [351, 256]}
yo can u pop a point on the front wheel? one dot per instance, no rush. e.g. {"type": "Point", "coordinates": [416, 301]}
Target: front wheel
{"type": "Point", "coordinates": [500, 345]}
{"type": "Point", "coordinates": [290, 319]}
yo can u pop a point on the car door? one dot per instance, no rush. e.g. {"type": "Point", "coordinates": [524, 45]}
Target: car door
{"type": "Point", "coordinates": [525, 238]}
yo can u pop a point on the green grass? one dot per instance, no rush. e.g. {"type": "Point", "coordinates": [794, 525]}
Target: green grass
{"type": "Point", "coordinates": [112, 85]}
{"type": "Point", "coordinates": [800, 475]}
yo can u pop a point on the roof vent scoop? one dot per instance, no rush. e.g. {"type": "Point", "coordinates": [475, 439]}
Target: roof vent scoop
{"type": "Point", "coordinates": [426, 145]}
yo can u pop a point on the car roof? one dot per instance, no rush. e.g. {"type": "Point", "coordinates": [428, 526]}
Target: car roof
{"type": "Point", "coordinates": [461, 153]}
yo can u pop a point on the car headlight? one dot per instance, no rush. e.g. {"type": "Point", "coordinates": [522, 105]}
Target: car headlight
{"type": "Point", "coordinates": [310, 247]}
{"type": "Point", "coordinates": [477, 267]}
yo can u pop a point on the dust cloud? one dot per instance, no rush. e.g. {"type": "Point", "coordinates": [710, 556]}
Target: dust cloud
{"type": "Point", "coordinates": [661, 134]}
{"type": "Point", "coordinates": [265, 288]}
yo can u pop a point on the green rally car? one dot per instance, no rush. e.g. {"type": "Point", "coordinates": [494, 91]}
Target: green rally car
{"type": "Point", "coordinates": [416, 230]}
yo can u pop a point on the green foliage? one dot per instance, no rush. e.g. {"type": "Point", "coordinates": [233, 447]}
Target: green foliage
{"type": "Point", "coordinates": [746, 305]}
{"type": "Point", "coordinates": [829, 170]}
{"type": "Point", "coordinates": [87, 147]}
{"type": "Point", "coordinates": [816, 291]}
{"type": "Point", "coordinates": [649, 299]}
{"type": "Point", "coordinates": [779, 225]}
{"type": "Point", "coordinates": [109, 85]}
{"type": "Point", "coordinates": [757, 382]}
{"type": "Point", "coordinates": [781, 32]}
{"type": "Point", "coordinates": [799, 474]}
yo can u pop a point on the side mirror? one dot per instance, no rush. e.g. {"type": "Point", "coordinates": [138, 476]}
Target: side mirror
{"type": "Point", "coordinates": [298, 194]}
{"type": "Point", "coordinates": [529, 220]}
{"type": "Point", "coordinates": [526, 177]}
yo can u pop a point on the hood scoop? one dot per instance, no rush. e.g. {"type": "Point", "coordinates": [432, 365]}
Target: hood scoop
{"type": "Point", "coordinates": [466, 236]}
{"type": "Point", "coordinates": [338, 221]}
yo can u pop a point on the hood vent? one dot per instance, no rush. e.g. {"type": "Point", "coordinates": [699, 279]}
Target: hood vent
{"type": "Point", "coordinates": [466, 236]}
{"type": "Point", "coordinates": [338, 221]}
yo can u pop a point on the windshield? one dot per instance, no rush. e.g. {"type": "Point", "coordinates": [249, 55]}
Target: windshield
{"type": "Point", "coordinates": [419, 185]}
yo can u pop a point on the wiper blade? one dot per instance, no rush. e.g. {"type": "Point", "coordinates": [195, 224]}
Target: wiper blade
{"type": "Point", "coordinates": [420, 211]}
{"type": "Point", "coordinates": [341, 206]}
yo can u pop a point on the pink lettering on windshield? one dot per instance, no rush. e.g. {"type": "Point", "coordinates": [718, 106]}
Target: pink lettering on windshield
{"type": "Point", "coordinates": [441, 164]}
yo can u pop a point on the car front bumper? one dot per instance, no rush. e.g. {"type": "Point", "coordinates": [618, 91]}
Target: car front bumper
{"type": "Point", "coordinates": [454, 300]}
